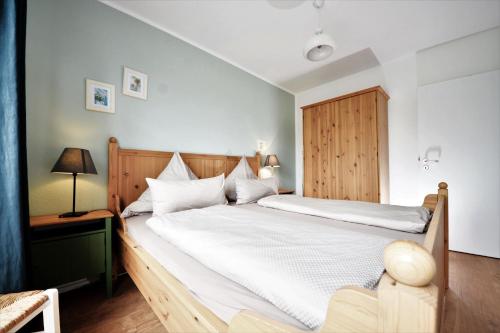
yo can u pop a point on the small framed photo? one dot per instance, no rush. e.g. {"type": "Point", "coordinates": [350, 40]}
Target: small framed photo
{"type": "Point", "coordinates": [100, 96]}
{"type": "Point", "coordinates": [135, 83]}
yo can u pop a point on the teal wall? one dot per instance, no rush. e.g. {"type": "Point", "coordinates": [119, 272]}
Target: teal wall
{"type": "Point", "coordinates": [196, 102]}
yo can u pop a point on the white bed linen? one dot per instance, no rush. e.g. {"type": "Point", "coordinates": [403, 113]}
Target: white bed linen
{"type": "Point", "coordinates": [225, 298]}
{"type": "Point", "coordinates": [175, 170]}
{"type": "Point", "coordinates": [296, 265]}
{"type": "Point", "coordinates": [251, 190]}
{"type": "Point", "coordinates": [175, 195]}
{"type": "Point", "coordinates": [241, 171]}
{"type": "Point", "coordinates": [409, 219]}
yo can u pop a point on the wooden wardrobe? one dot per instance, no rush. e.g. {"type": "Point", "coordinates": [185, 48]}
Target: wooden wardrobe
{"type": "Point", "coordinates": [346, 147]}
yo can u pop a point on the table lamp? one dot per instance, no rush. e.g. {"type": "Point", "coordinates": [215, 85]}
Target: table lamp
{"type": "Point", "coordinates": [272, 161]}
{"type": "Point", "coordinates": [74, 161]}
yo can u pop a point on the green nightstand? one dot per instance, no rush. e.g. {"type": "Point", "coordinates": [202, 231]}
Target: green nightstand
{"type": "Point", "coordinates": [68, 249]}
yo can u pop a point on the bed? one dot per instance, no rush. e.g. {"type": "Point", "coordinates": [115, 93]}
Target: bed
{"type": "Point", "coordinates": [398, 304]}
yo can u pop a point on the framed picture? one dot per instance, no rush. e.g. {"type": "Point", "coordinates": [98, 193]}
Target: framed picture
{"type": "Point", "coordinates": [100, 96]}
{"type": "Point", "coordinates": [135, 83]}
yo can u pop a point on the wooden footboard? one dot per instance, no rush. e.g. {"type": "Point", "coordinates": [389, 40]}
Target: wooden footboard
{"type": "Point", "coordinates": [409, 298]}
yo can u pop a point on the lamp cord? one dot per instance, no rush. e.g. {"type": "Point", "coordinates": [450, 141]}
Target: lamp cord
{"type": "Point", "coordinates": [318, 4]}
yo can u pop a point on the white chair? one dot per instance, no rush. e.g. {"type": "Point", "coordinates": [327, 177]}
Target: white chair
{"type": "Point", "coordinates": [17, 309]}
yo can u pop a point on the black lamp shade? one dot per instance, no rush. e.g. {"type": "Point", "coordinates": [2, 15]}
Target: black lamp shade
{"type": "Point", "coordinates": [75, 160]}
{"type": "Point", "coordinates": [272, 161]}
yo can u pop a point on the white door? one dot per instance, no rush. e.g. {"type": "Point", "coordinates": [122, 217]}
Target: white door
{"type": "Point", "coordinates": [459, 125]}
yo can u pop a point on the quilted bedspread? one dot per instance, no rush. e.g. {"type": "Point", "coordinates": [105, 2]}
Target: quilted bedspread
{"type": "Point", "coordinates": [295, 265]}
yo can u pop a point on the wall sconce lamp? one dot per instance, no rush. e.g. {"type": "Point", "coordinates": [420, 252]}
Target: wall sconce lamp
{"type": "Point", "coordinates": [272, 161]}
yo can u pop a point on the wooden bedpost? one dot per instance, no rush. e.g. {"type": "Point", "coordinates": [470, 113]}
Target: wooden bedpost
{"type": "Point", "coordinates": [408, 301]}
{"type": "Point", "coordinates": [112, 173]}
{"type": "Point", "coordinates": [257, 158]}
{"type": "Point", "coordinates": [443, 191]}
{"type": "Point", "coordinates": [411, 294]}
{"type": "Point", "coordinates": [113, 197]}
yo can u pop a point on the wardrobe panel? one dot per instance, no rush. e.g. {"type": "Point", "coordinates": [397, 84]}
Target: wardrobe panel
{"type": "Point", "coordinates": [383, 147]}
{"type": "Point", "coordinates": [332, 150]}
{"type": "Point", "coordinates": [315, 156]}
{"type": "Point", "coordinates": [324, 173]}
{"type": "Point", "coordinates": [347, 152]}
{"type": "Point", "coordinates": [368, 189]}
{"type": "Point", "coordinates": [336, 150]}
{"type": "Point", "coordinates": [307, 115]}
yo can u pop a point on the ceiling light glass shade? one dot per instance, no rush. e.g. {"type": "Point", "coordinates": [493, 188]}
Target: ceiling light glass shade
{"type": "Point", "coordinates": [319, 47]}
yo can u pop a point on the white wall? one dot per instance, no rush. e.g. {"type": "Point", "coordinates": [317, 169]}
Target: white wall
{"type": "Point", "coordinates": [398, 78]}
{"type": "Point", "coordinates": [459, 114]}
{"type": "Point", "coordinates": [459, 123]}
{"type": "Point", "coordinates": [477, 53]}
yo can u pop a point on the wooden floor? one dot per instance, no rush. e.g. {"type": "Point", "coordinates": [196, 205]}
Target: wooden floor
{"type": "Point", "coordinates": [473, 302]}
{"type": "Point", "coordinates": [88, 310]}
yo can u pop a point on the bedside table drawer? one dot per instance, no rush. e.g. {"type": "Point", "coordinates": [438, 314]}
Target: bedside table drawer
{"type": "Point", "coordinates": [65, 259]}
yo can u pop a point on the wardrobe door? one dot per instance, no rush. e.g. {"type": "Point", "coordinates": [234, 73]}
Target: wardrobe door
{"type": "Point", "coordinates": [347, 151]}
{"type": "Point", "coordinates": [357, 145]}
{"type": "Point", "coordinates": [319, 166]}
{"type": "Point", "coordinates": [368, 166]}
{"type": "Point", "coordinates": [326, 171]}
{"type": "Point", "coordinates": [333, 147]}
{"type": "Point", "coordinates": [309, 126]}
{"type": "Point", "coordinates": [312, 152]}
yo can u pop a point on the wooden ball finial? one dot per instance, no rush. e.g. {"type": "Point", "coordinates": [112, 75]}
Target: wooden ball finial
{"type": "Point", "coordinates": [443, 185]}
{"type": "Point", "coordinates": [113, 139]}
{"type": "Point", "coordinates": [409, 263]}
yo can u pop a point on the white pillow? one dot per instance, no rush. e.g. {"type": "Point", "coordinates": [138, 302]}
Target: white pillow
{"type": "Point", "coordinates": [175, 170]}
{"type": "Point", "coordinates": [251, 190]}
{"type": "Point", "coordinates": [173, 196]}
{"type": "Point", "coordinates": [241, 171]}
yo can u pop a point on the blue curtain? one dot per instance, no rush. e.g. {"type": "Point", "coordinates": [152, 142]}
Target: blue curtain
{"type": "Point", "coordinates": [14, 216]}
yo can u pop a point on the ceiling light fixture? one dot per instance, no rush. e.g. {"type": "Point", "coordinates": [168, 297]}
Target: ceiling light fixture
{"type": "Point", "coordinates": [320, 46]}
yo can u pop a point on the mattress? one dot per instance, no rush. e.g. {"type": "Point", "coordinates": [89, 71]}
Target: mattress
{"type": "Point", "coordinates": [222, 296]}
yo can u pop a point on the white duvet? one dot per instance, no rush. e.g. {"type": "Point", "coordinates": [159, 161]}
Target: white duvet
{"type": "Point", "coordinates": [295, 265]}
{"type": "Point", "coordinates": [402, 218]}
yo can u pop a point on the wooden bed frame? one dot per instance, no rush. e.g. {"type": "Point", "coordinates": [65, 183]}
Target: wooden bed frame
{"type": "Point", "coordinates": [409, 298]}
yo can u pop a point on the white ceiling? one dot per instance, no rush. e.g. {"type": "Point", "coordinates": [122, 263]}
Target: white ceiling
{"type": "Point", "coordinates": [265, 37]}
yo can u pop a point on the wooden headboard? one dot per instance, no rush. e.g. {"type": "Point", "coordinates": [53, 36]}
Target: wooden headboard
{"type": "Point", "coordinates": [128, 168]}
